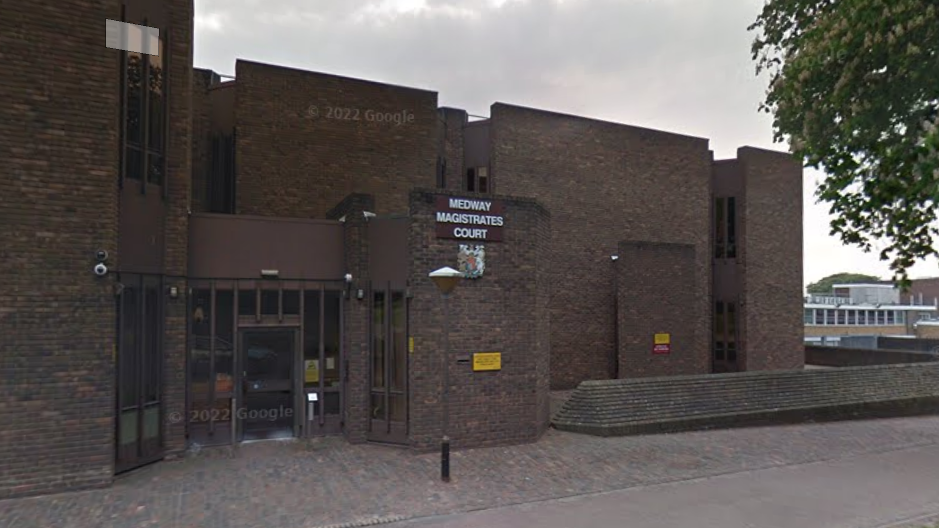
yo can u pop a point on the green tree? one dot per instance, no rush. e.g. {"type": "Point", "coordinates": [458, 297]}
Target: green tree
{"type": "Point", "coordinates": [854, 89]}
{"type": "Point", "coordinates": [823, 286]}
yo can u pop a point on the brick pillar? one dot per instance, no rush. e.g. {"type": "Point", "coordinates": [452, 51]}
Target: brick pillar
{"type": "Point", "coordinates": [355, 313]}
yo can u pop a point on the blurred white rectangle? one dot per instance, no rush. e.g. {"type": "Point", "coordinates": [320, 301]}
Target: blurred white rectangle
{"type": "Point", "coordinates": [131, 37]}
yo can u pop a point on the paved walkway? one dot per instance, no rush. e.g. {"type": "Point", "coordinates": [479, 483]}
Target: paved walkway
{"type": "Point", "coordinates": [896, 488]}
{"type": "Point", "coordinates": [304, 485]}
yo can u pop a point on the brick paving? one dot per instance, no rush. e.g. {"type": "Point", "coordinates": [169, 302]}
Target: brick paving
{"type": "Point", "coordinates": [301, 484]}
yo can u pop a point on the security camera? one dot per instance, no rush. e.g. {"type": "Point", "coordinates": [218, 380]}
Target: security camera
{"type": "Point", "coordinates": [101, 255]}
{"type": "Point", "coordinates": [101, 270]}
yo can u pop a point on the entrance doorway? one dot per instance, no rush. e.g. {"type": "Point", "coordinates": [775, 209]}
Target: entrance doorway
{"type": "Point", "coordinates": [266, 409]}
{"type": "Point", "coordinates": [139, 431]}
{"type": "Point", "coordinates": [265, 361]}
{"type": "Point", "coordinates": [388, 405]}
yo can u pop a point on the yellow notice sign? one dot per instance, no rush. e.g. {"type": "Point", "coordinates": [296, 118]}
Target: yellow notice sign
{"type": "Point", "coordinates": [311, 371]}
{"type": "Point", "coordinates": [411, 345]}
{"type": "Point", "coordinates": [487, 361]}
{"type": "Point", "coordinates": [663, 339]}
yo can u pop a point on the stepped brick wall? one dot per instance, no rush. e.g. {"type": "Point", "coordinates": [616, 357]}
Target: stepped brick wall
{"type": "Point", "coordinates": [657, 405]}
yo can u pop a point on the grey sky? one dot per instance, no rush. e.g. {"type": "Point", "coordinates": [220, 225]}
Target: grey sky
{"type": "Point", "coordinates": [677, 65]}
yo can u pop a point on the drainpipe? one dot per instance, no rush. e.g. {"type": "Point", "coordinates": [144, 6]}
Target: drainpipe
{"type": "Point", "coordinates": [614, 259]}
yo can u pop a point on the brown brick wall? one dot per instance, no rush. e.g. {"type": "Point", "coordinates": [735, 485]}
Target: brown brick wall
{"type": "Point", "coordinates": [657, 294]}
{"type": "Point", "coordinates": [814, 331]}
{"type": "Point", "coordinates": [176, 223]}
{"type": "Point", "coordinates": [59, 170]}
{"type": "Point", "coordinates": [58, 163]}
{"type": "Point", "coordinates": [356, 314]}
{"type": "Point", "coordinates": [927, 331]}
{"type": "Point", "coordinates": [451, 126]}
{"type": "Point", "coordinates": [602, 183]}
{"type": "Point", "coordinates": [291, 163]}
{"type": "Point", "coordinates": [500, 312]}
{"type": "Point", "coordinates": [772, 323]}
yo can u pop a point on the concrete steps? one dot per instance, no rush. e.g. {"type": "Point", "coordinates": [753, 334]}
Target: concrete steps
{"type": "Point", "coordinates": [652, 405]}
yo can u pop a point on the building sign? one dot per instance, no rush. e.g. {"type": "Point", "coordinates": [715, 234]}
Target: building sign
{"type": "Point", "coordinates": [471, 261]}
{"type": "Point", "coordinates": [469, 219]}
{"type": "Point", "coordinates": [662, 344]}
{"type": "Point", "coordinates": [487, 361]}
{"type": "Point", "coordinates": [311, 371]}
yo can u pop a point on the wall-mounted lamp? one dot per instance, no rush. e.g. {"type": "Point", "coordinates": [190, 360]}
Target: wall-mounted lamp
{"type": "Point", "coordinates": [360, 294]}
{"type": "Point", "coordinates": [173, 292]}
{"type": "Point", "coordinates": [270, 273]}
{"type": "Point", "coordinates": [614, 258]}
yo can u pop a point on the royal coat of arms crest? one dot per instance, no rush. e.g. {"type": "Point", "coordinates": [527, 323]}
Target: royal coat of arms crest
{"type": "Point", "coordinates": [471, 261]}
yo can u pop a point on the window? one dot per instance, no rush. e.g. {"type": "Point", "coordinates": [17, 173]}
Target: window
{"type": "Point", "coordinates": [221, 178]}
{"type": "Point", "coordinates": [143, 89]}
{"type": "Point", "coordinates": [719, 250]}
{"type": "Point", "coordinates": [725, 332]}
{"type": "Point", "coordinates": [852, 317]}
{"type": "Point", "coordinates": [880, 317]}
{"type": "Point", "coordinates": [482, 174]}
{"type": "Point", "coordinates": [830, 317]}
{"type": "Point", "coordinates": [725, 227]}
{"type": "Point", "coordinates": [441, 173]}
{"type": "Point", "coordinates": [842, 317]}
{"type": "Point", "coordinates": [901, 317]}
{"type": "Point", "coordinates": [719, 343]}
{"type": "Point", "coordinates": [809, 316]}
{"type": "Point", "coordinates": [890, 317]}
{"type": "Point", "coordinates": [731, 227]}
{"type": "Point", "coordinates": [819, 317]}
{"type": "Point", "coordinates": [477, 180]}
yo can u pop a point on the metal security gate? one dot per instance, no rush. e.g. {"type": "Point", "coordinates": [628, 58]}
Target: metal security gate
{"type": "Point", "coordinates": [139, 402]}
{"type": "Point", "coordinates": [388, 372]}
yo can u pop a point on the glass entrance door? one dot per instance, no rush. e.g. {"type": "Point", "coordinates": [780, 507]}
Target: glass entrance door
{"type": "Point", "coordinates": [388, 406]}
{"type": "Point", "coordinates": [266, 409]}
{"type": "Point", "coordinates": [322, 362]}
{"type": "Point", "coordinates": [139, 434]}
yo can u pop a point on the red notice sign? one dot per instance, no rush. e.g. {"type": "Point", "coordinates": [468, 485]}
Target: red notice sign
{"type": "Point", "coordinates": [661, 349]}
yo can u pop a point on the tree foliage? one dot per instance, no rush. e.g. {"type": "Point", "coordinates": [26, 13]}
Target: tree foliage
{"type": "Point", "coordinates": [826, 285]}
{"type": "Point", "coordinates": [854, 88]}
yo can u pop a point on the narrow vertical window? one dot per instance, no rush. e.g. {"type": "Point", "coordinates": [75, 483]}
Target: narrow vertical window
{"type": "Point", "coordinates": [156, 106]}
{"type": "Point", "coordinates": [471, 180]}
{"type": "Point", "coordinates": [731, 332]}
{"type": "Point", "coordinates": [719, 228]}
{"type": "Point", "coordinates": [144, 112]}
{"type": "Point", "coordinates": [441, 172]}
{"type": "Point", "coordinates": [135, 64]}
{"type": "Point", "coordinates": [482, 174]}
{"type": "Point", "coordinates": [719, 343]}
{"type": "Point", "coordinates": [731, 227]}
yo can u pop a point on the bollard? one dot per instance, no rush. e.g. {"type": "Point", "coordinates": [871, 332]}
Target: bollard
{"type": "Point", "coordinates": [445, 459]}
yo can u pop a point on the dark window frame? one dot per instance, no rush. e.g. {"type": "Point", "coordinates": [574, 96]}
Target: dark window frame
{"type": "Point", "coordinates": [143, 148]}
{"type": "Point", "coordinates": [476, 183]}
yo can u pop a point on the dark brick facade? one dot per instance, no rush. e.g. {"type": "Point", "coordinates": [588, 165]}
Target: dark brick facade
{"type": "Point", "coordinates": [58, 161]}
{"type": "Point", "coordinates": [771, 252]}
{"type": "Point", "coordinates": [603, 183]}
{"type": "Point", "coordinates": [503, 311]}
{"type": "Point", "coordinates": [307, 140]}
{"type": "Point", "coordinates": [556, 305]}
{"type": "Point", "coordinates": [59, 168]}
{"type": "Point", "coordinates": [660, 299]}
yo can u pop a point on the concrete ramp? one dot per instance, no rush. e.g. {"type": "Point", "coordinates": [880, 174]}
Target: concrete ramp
{"type": "Point", "coordinates": [671, 404]}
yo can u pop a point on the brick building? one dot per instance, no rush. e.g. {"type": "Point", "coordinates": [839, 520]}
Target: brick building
{"type": "Point", "coordinates": [268, 241]}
